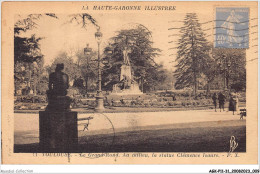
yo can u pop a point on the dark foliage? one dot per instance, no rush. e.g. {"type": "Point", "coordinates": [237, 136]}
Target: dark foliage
{"type": "Point", "coordinates": [193, 53]}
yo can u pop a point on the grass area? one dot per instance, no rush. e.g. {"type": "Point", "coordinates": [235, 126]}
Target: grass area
{"type": "Point", "coordinates": [195, 137]}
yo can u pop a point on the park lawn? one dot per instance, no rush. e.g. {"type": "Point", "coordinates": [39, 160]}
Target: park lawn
{"type": "Point", "coordinates": [197, 137]}
{"type": "Point", "coordinates": [191, 139]}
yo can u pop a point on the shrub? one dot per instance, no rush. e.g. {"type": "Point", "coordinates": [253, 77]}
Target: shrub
{"type": "Point", "coordinates": [31, 99]}
{"type": "Point", "coordinates": [170, 103]}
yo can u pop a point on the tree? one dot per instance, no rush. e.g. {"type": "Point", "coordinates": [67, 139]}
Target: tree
{"type": "Point", "coordinates": [27, 54]}
{"type": "Point", "coordinates": [157, 78]}
{"type": "Point", "coordinates": [166, 81]}
{"type": "Point", "coordinates": [209, 71]}
{"type": "Point", "coordinates": [29, 22]}
{"type": "Point", "coordinates": [82, 19]}
{"type": "Point", "coordinates": [142, 55]}
{"type": "Point", "coordinates": [28, 59]}
{"type": "Point", "coordinates": [192, 55]}
{"type": "Point", "coordinates": [27, 49]}
{"type": "Point", "coordinates": [231, 67]}
{"type": "Point", "coordinates": [87, 65]}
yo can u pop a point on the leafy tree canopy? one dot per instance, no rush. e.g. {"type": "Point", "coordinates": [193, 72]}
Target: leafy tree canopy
{"type": "Point", "coordinates": [27, 49]}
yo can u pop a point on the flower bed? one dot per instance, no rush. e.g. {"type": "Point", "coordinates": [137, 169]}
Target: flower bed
{"type": "Point", "coordinates": [171, 100]}
{"type": "Point", "coordinates": [30, 99]}
{"type": "Point", "coordinates": [161, 103]}
{"type": "Point", "coordinates": [30, 106]}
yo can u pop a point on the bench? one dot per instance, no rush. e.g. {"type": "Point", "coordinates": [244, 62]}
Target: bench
{"type": "Point", "coordinates": [87, 124]}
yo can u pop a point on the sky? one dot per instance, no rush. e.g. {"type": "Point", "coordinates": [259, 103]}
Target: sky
{"type": "Point", "coordinates": [60, 35]}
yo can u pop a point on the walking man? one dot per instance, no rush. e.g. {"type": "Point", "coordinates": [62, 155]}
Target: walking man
{"type": "Point", "coordinates": [221, 99]}
{"type": "Point", "coordinates": [214, 98]}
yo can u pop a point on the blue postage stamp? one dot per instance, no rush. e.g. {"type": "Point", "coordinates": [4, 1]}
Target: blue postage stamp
{"type": "Point", "coordinates": [232, 27]}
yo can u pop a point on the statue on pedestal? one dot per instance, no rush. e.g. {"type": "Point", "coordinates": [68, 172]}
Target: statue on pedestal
{"type": "Point", "coordinates": [126, 74]}
{"type": "Point", "coordinates": [58, 125]}
{"type": "Point", "coordinates": [126, 85]}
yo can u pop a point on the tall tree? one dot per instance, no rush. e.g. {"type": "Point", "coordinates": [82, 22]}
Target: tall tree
{"type": "Point", "coordinates": [142, 55]}
{"type": "Point", "coordinates": [28, 59]}
{"type": "Point", "coordinates": [27, 49]}
{"type": "Point", "coordinates": [193, 53]}
{"type": "Point", "coordinates": [27, 54]}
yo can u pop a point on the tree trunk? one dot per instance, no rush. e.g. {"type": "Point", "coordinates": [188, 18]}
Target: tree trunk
{"type": "Point", "coordinates": [15, 90]}
{"type": "Point", "coordinates": [30, 76]}
{"type": "Point", "coordinates": [86, 80]}
{"type": "Point", "coordinates": [227, 83]}
{"type": "Point", "coordinates": [208, 88]}
{"type": "Point", "coordinates": [142, 84]}
{"type": "Point", "coordinates": [195, 85]}
{"type": "Point", "coordinates": [34, 87]}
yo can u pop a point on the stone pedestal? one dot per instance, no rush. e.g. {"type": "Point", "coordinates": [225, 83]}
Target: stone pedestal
{"type": "Point", "coordinates": [127, 85]}
{"type": "Point", "coordinates": [58, 103]}
{"type": "Point", "coordinates": [58, 131]}
{"type": "Point", "coordinates": [125, 72]}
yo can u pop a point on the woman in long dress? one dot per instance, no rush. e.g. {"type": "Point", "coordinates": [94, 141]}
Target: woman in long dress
{"type": "Point", "coordinates": [233, 102]}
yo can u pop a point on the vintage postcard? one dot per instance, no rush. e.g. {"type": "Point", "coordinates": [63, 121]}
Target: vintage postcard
{"type": "Point", "coordinates": [129, 82]}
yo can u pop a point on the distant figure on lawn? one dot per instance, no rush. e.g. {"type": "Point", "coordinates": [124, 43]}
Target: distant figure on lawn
{"type": "Point", "coordinates": [214, 98]}
{"type": "Point", "coordinates": [221, 100]}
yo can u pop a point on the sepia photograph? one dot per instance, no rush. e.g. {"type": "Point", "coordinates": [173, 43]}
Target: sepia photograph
{"type": "Point", "coordinates": [118, 80]}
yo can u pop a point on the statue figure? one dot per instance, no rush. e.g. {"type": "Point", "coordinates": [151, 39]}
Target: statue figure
{"type": "Point", "coordinates": [58, 85]}
{"type": "Point", "coordinates": [58, 81]}
{"type": "Point", "coordinates": [126, 58]}
{"type": "Point", "coordinates": [58, 130]}
{"type": "Point", "coordinates": [126, 84]}
{"type": "Point", "coordinates": [126, 68]}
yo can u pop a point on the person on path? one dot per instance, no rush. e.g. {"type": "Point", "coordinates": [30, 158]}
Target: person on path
{"type": "Point", "coordinates": [233, 102]}
{"type": "Point", "coordinates": [221, 100]}
{"type": "Point", "coordinates": [214, 98]}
